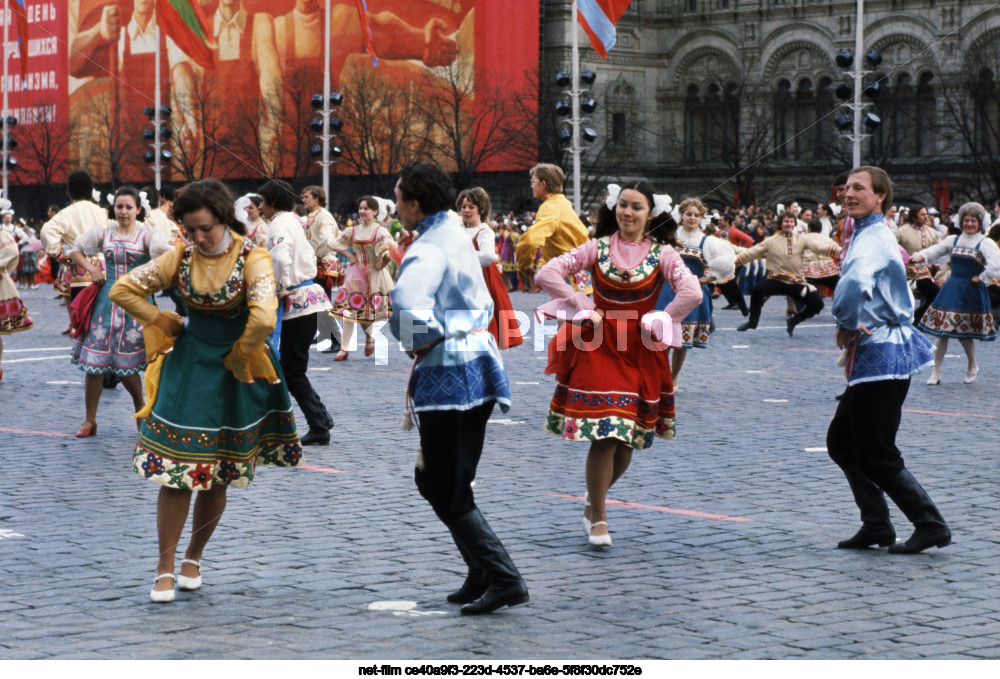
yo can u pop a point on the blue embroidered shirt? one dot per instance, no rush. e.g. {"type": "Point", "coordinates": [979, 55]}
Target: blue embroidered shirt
{"type": "Point", "coordinates": [873, 291]}
{"type": "Point", "coordinates": [441, 299]}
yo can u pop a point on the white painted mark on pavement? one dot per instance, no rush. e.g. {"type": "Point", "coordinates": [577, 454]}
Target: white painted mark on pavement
{"type": "Point", "coordinates": [65, 382]}
{"type": "Point", "coordinates": [754, 372]}
{"type": "Point", "coordinates": [951, 356]}
{"type": "Point", "coordinates": [402, 608]}
{"type": "Point", "coordinates": [821, 449]}
{"type": "Point", "coordinates": [8, 533]}
{"type": "Point", "coordinates": [526, 383]}
{"type": "Point", "coordinates": [44, 358]}
{"type": "Point", "coordinates": [322, 369]}
{"type": "Point", "coordinates": [741, 346]}
{"type": "Point", "coordinates": [775, 400]}
{"type": "Point", "coordinates": [25, 351]}
{"type": "Point", "coordinates": [505, 421]}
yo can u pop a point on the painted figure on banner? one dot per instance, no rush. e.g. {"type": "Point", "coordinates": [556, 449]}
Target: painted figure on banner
{"type": "Point", "coordinates": [115, 37]}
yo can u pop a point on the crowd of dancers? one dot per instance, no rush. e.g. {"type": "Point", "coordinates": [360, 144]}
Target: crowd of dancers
{"type": "Point", "coordinates": [255, 280]}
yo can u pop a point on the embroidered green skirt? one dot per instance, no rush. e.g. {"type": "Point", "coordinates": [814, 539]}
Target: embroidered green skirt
{"type": "Point", "coordinates": [207, 427]}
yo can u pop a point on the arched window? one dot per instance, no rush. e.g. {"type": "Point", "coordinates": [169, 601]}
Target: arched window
{"type": "Point", "coordinates": [694, 131]}
{"type": "Point", "coordinates": [902, 126]}
{"type": "Point", "coordinates": [826, 131]}
{"type": "Point", "coordinates": [805, 116]}
{"type": "Point", "coordinates": [782, 104]}
{"type": "Point", "coordinates": [883, 108]}
{"type": "Point", "coordinates": [926, 115]}
{"type": "Point", "coordinates": [984, 95]}
{"type": "Point", "coordinates": [714, 119]}
{"type": "Point", "coordinates": [621, 111]}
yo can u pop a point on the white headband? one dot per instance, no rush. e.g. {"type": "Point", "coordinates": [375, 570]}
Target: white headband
{"type": "Point", "coordinates": [144, 202]}
{"type": "Point", "coordinates": [661, 201]}
{"type": "Point", "coordinates": [5, 204]}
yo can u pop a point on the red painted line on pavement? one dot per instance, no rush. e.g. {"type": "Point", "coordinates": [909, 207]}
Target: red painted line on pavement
{"type": "Point", "coordinates": [325, 470]}
{"type": "Point", "coordinates": [668, 510]}
{"type": "Point", "coordinates": [383, 373]}
{"type": "Point", "coordinates": [817, 351]}
{"type": "Point", "coordinates": [39, 433]}
{"type": "Point", "coordinates": [938, 412]}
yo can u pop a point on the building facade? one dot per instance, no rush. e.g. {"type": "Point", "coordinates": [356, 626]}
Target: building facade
{"type": "Point", "coordinates": [735, 100]}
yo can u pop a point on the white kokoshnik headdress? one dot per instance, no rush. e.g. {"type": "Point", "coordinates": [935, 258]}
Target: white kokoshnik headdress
{"type": "Point", "coordinates": [385, 208]}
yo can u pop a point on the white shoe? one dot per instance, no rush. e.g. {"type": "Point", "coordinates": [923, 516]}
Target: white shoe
{"type": "Point", "coordinates": [586, 521]}
{"type": "Point", "coordinates": [970, 374]}
{"type": "Point", "coordinates": [599, 540]}
{"type": "Point", "coordinates": [162, 596]}
{"type": "Point", "coordinates": [189, 584]}
{"type": "Point", "coordinates": [935, 378]}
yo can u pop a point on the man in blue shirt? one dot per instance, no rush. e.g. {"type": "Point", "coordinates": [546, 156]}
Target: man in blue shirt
{"type": "Point", "coordinates": [873, 306]}
{"type": "Point", "coordinates": [440, 312]}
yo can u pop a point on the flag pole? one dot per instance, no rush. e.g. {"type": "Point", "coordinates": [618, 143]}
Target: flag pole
{"type": "Point", "coordinates": [6, 83]}
{"type": "Point", "coordinates": [157, 101]}
{"type": "Point", "coordinates": [326, 102]}
{"type": "Point", "coordinates": [575, 96]}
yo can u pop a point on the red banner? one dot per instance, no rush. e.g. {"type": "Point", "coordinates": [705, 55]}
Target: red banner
{"type": "Point", "coordinates": [249, 114]}
{"type": "Point", "coordinates": [38, 98]}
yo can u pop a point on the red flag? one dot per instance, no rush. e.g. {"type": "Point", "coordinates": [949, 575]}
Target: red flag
{"type": "Point", "coordinates": [598, 18]}
{"type": "Point", "coordinates": [366, 31]}
{"type": "Point", "coordinates": [22, 34]}
{"type": "Point", "coordinates": [185, 24]}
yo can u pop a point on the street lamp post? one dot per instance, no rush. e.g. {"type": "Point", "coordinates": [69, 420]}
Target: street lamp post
{"type": "Point", "coordinates": [856, 104]}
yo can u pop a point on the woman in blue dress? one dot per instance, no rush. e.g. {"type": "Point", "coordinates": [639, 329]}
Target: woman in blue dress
{"type": "Point", "coordinates": [709, 259]}
{"type": "Point", "coordinates": [113, 344]}
{"type": "Point", "coordinates": [962, 309]}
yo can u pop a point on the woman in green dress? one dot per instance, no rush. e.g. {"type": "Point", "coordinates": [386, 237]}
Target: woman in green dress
{"type": "Point", "coordinates": [216, 403]}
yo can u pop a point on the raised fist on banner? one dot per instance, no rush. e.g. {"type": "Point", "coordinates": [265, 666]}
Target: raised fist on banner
{"type": "Point", "coordinates": [110, 23]}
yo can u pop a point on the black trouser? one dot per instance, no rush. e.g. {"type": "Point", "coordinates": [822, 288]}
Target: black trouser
{"type": "Point", "coordinates": [825, 282]}
{"type": "Point", "coordinates": [296, 337]}
{"type": "Point", "coordinates": [731, 291]}
{"type": "Point", "coordinates": [928, 289]}
{"type": "Point", "coordinates": [451, 443]}
{"type": "Point", "coordinates": [994, 293]}
{"type": "Point", "coordinates": [863, 430]}
{"type": "Point", "coordinates": [772, 287]}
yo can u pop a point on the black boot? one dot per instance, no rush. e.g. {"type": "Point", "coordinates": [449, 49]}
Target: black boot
{"type": "Point", "coordinates": [475, 584]}
{"type": "Point", "coordinates": [876, 528]}
{"type": "Point", "coordinates": [334, 346]}
{"type": "Point", "coordinates": [792, 321]}
{"type": "Point", "coordinates": [316, 436]}
{"type": "Point", "coordinates": [506, 588]}
{"type": "Point", "coordinates": [751, 324]}
{"type": "Point", "coordinates": [909, 496]}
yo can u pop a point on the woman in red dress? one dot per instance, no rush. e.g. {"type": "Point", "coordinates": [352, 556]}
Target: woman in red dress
{"type": "Point", "coordinates": [474, 206]}
{"type": "Point", "coordinates": [613, 384]}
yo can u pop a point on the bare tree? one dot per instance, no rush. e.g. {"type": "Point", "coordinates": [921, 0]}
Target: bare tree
{"type": "Point", "coordinates": [973, 119]}
{"type": "Point", "coordinates": [294, 114]}
{"type": "Point", "coordinates": [473, 120]}
{"type": "Point", "coordinates": [383, 124]}
{"type": "Point", "coordinates": [199, 121]}
{"type": "Point", "coordinates": [109, 144]}
{"type": "Point", "coordinates": [44, 143]}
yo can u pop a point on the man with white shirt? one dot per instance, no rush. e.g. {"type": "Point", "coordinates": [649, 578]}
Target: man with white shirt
{"type": "Point", "coordinates": [58, 235]}
{"type": "Point", "coordinates": [158, 217]}
{"type": "Point", "coordinates": [299, 300]}
{"type": "Point", "coordinates": [322, 231]}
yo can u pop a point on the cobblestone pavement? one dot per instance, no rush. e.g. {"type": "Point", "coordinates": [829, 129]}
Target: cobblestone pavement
{"type": "Point", "coordinates": [723, 547]}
